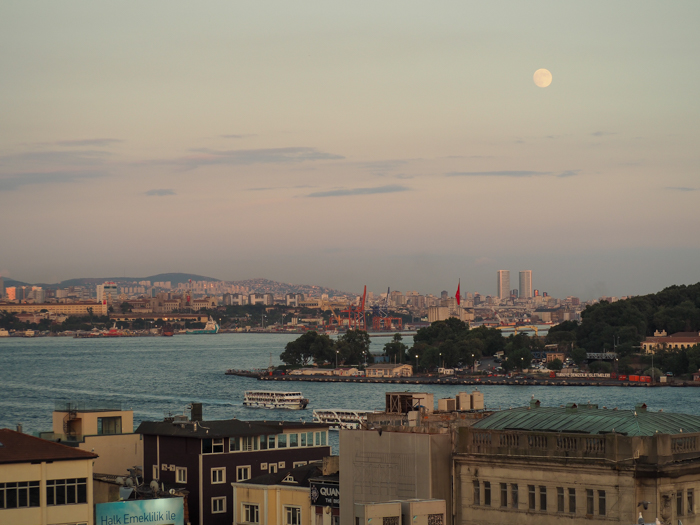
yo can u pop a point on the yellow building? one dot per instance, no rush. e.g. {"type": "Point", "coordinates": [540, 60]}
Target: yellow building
{"type": "Point", "coordinates": [283, 498]}
{"type": "Point", "coordinates": [107, 431]}
{"type": "Point", "coordinates": [79, 309]}
{"type": "Point", "coordinates": [44, 483]}
{"type": "Point", "coordinates": [677, 341]}
{"type": "Point", "coordinates": [389, 370]}
{"type": "Point", "coordinates": [579, 464]}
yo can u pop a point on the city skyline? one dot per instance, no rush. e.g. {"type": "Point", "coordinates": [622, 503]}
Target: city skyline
{"type": "Point", "coordinates": [402, 144]}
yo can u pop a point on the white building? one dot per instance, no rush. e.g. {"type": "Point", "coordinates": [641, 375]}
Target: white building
{"type": "Point", "coordinates": [503, 284]}
{"type": "Point", "coordinates": [525, 290]}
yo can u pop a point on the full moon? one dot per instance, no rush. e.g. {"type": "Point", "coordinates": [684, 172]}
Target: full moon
{"type": "Point", "coordinates": [542, 78]}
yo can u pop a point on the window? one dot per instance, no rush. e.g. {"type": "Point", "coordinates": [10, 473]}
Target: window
{"type": "Point", "coordinates": [218, 505]}
{"type": "Point", "coordinates": [690, 502]}
{"type": "Point", "coordinates": [243, 473]}
{"type": "Point", "coordinates": [234, 444]}
{"type": "Point", "coordinates": [282, 464]}
{"type": "Point", "coordinates": [298, 464]}
{"type": "Point", "coordinates": [321, 439]}
{"type": "Point", "coordinates": [293, 440]}
{"type": "Point", "coordinates": [589, 501]}
{"type": "Point", "coordinates": [251, 513]}
{"type": "Point", "coordinates": [309, 439]}
{"type": "Point", "coordinates": [514, 495]}
{"type": "Point", "coordinates": [272, 468]}
{"type": "Point", "coordinates": [218, 475]}
{"type": "Point", "coordinates": [487, 493]}
{"type": "Point", "coordinates": [249, 443]}
{"type": "Point", "coordinates": [601, 502]}
{"type": "Point", "coordinates": [271, 441]}
{"type": "Point", "coordinates": [263, 442]}
{"type": "Point", "coordinates": [263, 466]}
{"type": "Point", "coordinates": [572, 501]}
{"type": "Point", "coordinates": [543, 497]}
{"type": "Point", "coordinates": [180, 474]}
{"type": "Point", "coordinates": [531, 496]}
{"type": "Point", "coordinates": [560, 499]}
{"type": "Point", "coordinates": [303, 439]}
{"type": "Point", "coordinates": [213, 446]}
{"type": "Point", "coordinates": [66, 491]}
{"type": "Point", "coordinates": [504, 495]}
{"type": "Point", "coordinates": [282, 441]}
{"type": "Point", "coordinates": [293, 515]}
{"type": "Point", "coordinates": [477, 493]}
{"type": "Point", "coordinates": [19, 494]}
{"type": "Point", "coordinates": [109, 425]}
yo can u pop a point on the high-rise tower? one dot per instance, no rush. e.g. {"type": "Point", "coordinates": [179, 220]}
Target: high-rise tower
{"type": "Point", "coordinates": [503, 284]}
{"type": "Point", "coordinates": [525, 290]}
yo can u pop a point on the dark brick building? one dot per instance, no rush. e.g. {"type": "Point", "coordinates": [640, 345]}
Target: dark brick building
{"type": "Point", "coordinates": [205, 457]}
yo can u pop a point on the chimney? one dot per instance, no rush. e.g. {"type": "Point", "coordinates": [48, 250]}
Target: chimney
{"type": "Point", "coordinates": [196, 412]}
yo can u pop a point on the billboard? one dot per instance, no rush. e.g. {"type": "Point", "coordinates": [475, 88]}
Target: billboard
{"type": "Point", "coordinates": [325, 494]}
{"type": "Point", "coordinates": [163, 511]}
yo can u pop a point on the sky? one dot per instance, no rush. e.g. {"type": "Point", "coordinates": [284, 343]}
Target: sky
{"type": "Point", "coordinates": [396, 144]}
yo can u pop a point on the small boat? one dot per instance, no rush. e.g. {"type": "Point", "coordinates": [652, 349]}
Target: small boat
{"type": "Point", "coordinates": [269, 399]}
{"type": "Point", "coordinates": [4, 333]}
{"type": "Point", "coordinates": [341, 418]}
{"type": "Point", "coordinates": [29, 333]}
{"type": "Point", "coordinates": [212, 327]}
{"type": "Point", "coordinates": [167, 330]}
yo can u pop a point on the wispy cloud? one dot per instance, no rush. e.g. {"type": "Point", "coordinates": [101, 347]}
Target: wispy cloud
{"type": "Point", "coordinates": [603, 133]}
{"type": "Point", "coordinates": [680, 188]}
{"type": "Point", "coordinates": [163, 192]}
{"type": "Point", "coordinates": [87, 142]}
{"type": "Point", "coordinates": [515, 174]}
{"type": "Point", "coordinates": [66, 158]}
{"type": "Point", "coordinates": [391, 188]}
{"type": "Point", "coordinates": [17, 180]}
{"type": "Point", "coordinates": [243, 157]}
{"type": "Point", "coordinates": [497, 173]}
{"type": "Point", "coordinates": [569, 173]}
{"type": "Point", "coordinates": [269, 188]}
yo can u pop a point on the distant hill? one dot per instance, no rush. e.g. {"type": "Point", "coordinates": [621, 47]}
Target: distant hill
{"type": "Point", "coordinates": [172, 277]}
{"type": "Point", "coordinates": [267, 286]}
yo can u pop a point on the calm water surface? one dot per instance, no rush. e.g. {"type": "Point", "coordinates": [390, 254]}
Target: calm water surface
{"type": "Point", "coordinates": [159, 375]}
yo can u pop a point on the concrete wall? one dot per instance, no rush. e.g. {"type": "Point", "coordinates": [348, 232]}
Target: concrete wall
{"type": "Point", "coordinates": [393, 466]}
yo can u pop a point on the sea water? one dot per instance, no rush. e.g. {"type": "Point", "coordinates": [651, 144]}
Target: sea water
{"type": "Point", "coordinates": [157, 376]}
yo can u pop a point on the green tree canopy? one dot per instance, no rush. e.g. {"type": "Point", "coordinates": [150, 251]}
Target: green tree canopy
{"type": "Point", "coordinates": [309, 347]}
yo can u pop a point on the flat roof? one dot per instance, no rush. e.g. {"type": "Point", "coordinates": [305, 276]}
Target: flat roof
{"type": "Point", "coordinates": [222, 428]}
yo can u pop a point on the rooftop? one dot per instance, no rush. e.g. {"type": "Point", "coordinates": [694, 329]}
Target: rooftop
{"type": "Point", "coordinates": [16, 447]}
{"type": "Point", "coordinates": [222, 428]}
{"type": "Point", "coordinates": [589, 419]}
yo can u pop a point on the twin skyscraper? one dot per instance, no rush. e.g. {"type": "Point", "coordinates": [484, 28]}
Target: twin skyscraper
{"type": "Point", "coordinates": [525, 289]}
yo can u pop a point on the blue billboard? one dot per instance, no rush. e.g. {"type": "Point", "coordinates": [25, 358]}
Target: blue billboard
{"type": "Point", "coordinates": [164, 511]}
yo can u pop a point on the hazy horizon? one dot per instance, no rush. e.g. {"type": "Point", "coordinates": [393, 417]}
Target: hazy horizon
{"type": "Point", "coordinates": [392, 144]}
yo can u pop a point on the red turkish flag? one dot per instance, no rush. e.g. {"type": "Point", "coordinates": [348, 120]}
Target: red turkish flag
{"type": "Point", "coordinates": [457, 294]}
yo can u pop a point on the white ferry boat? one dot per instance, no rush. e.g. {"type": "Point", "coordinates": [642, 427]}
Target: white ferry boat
{"type": "Point", "coordinates": [268, 399]}
{"type": "Point", "coordinates": [341, 418]}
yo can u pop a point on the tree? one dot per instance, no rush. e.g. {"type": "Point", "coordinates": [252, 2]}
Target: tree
{"type": "Point", "coordinates": [353, 347]}
{"type": "Point", "coordinates": [555, 364]}
{"type": "Point", "coordinates": [125, 307]}
{"type": "Point", "coordinates": [396, 350]}
{"type": "Point", "coordinates": [600, 367]}
{"type": "Point", "coordinates": [578, 355]}
{"type": "Point", "coordinates": [308, 347]}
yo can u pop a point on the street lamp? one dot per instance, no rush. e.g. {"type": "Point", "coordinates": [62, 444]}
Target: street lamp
{"type": "Point", "coordinates": [441, 360]}
{"type": "Point", "coordinates": [416, 361]}
{"type": "Point", "coordinates": [522, 363]}
{"type": "Point", "coordinates": [336, 358]}
{"type": "Point", "coordinates": [473, 364]}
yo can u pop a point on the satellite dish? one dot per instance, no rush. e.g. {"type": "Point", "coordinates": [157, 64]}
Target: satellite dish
{"type": "Point", "coordinates": [172, 491]}
{"type": "Point", "coordinates": [154, 485]}
{"type": "Point", "coordinates": [129, 482]}
{"type": "Point", "coordinates": [119, 480]}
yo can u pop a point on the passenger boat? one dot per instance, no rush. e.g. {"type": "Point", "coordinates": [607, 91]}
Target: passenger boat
{"type": "Point", "coordinates": [268, 399]}
{"type": "Point", "coordinates": [341, 418]}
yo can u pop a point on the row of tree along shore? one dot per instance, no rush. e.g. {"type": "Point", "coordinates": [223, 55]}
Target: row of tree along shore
{"type": "Point", "coordinates": [606, 328]}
